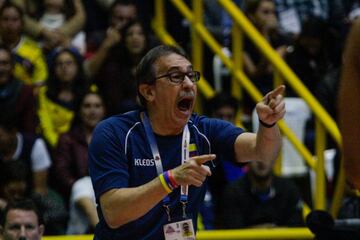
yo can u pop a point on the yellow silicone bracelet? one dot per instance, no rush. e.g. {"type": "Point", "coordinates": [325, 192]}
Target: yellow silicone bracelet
{"type": "Point", "coordinates": [163, 183]}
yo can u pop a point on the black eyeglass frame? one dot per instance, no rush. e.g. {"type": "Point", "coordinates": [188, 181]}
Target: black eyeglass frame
{"type": "Point", "coordinates": [195, 78]}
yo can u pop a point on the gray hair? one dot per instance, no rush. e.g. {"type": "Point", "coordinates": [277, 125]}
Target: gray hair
{"type": "Point", "coordinates": [145, 71]}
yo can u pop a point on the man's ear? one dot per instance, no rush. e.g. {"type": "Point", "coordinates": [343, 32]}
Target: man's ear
{"type": "Point", "coordinates": [41, 229]}
{"type": "Point", "coordinates": [147, 91]}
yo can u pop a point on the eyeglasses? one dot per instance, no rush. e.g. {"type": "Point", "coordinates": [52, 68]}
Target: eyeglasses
{"type": "Point", "coordinates": [179, 77]}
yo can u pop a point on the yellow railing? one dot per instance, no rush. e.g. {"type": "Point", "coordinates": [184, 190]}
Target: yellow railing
{"type": "Point", "coordinates": [200, 34]}
{"type": "Point", "coordinates": [323, 120]}
{"type": "Point", "coordinates": [249, 234]}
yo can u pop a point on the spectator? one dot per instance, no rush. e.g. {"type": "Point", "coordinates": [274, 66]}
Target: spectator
{"type": "Point", "coordinates": [55, 14]}
{"type": "Point", "coordinates": [261, 199]}
{"type": "Point", "coordinates": [70, 155]}
{"type": "Point", "coordinates": [73, 24]}
{"type": "Point", "coordinates": [83, 214]}
{"type": "Point", "coordinates": [293, 13]}
{"type": "Point", "coordinates": [22, 220]}
{"type": "Point", "coordinates": [214, 21]}
{"type": "Point", "coordinates": [349, 117]}
{"type": "Point", "coordinates": [352, 9]}
{"type": "Point", "coordinates": [14, 187]}
{"type": "Point", "coordinates": [60, 96]}
{"type": "Point", "coordinates": [28, 148]}
{"type": "Point", "coordinates": [30, 66]}
{"type": "Point", "coordinates": [260, 71]}
{"type": "Point", "coordinates": [225, 107]}
{"type": "Point", "coordinates": [100, 43]}
{"type": "Point", "coordinates": [13, 182]}
{"type": "Point", "coordinates": [309, 56]}
{"type": "Point", "coordinates": [15, 96]}
{"type": "Point", "coordinates": [116, 77]}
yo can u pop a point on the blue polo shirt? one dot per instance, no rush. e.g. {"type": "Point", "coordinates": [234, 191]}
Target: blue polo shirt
{"type": "Point", "coordinates": [120, 157]}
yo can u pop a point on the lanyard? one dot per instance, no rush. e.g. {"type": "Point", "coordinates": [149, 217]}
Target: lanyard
{"type": "Point", "coordinates": [158, 163]}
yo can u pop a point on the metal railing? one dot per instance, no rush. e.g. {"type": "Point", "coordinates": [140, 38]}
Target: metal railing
{"type": "Point", "coordinates": [249, 234]}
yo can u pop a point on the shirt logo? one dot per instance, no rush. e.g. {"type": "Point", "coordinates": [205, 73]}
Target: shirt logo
{"type": "Point", "coordinates": [193, 150]}
{"type": "Point", "coordinates": [144, 162]}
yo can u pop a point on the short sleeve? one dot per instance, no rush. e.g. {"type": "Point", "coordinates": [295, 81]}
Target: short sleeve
{"type": "Point", "coordinates": [222, 135]}
{"type": "Point", "coordinates": [82, 188]}
{"type": "Point", "coordinates": [40, 158]}
{"type": "Point", "coordinates": [108, 165]}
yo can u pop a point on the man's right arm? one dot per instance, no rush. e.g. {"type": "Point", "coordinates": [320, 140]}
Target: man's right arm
{"type": "Point", "coordinates": [123, 205]}
{"type": "Point", "coordinates": [119, 202]}
{"type": "Point", "coordinates": [120, 206]}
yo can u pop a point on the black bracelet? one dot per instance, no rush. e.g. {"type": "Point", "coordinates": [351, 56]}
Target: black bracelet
{"type": "Point", "coordinates": [266, 125]}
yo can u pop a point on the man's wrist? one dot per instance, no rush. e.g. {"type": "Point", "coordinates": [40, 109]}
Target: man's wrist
{"type": "Point", "coordinates": [168, 181]}
{"type": "Point", "coordinates": [164, 183]}
{"type": "Point", "coordinates": [266, 125]}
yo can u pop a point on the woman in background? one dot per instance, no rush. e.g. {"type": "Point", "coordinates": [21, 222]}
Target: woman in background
{"type": "Point", "coordinates": [57, 100]}
{"type": "Point", "coordinates": [116, 77]}
{"type": "Point", "coordinates": [71, 163]}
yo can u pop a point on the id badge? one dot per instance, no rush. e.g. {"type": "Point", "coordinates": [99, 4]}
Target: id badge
{"type": "Point", "coordinates": [181, 230]}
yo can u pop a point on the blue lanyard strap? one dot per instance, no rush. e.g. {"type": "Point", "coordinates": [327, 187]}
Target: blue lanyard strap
{"type": "Point", "coordinates": [158, 163]}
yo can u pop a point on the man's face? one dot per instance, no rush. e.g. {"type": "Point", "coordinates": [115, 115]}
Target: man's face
{"type": "Point", "coordinates": [122, 14]}
{"type": "Point", "coordinates": [10, 23]}
{"type": "Point", "coordinates": [22, 223]}
{"type": "Point", "coordinates": [173, 102]}
{"type": "Point", "coordinates": [5, 66]}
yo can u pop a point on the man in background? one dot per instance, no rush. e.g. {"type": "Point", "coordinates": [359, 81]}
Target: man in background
{"type": "Point", "coordinates": [22, 221]}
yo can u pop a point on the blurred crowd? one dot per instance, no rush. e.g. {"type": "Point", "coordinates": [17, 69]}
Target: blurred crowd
{"type": "Point", "coordinates": [67, 64]}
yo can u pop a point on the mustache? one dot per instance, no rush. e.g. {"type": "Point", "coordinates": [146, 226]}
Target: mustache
{"type": "Point", "coordinates": [187, 94]}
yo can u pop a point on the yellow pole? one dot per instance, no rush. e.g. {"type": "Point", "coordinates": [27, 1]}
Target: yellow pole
{"type": "Point", "coordinates": [237, 53]}
{"type": "Point", "coordinates": [339, 191]}
{"type": "Point", "coordinates": [270, 233]}
{"type": "Point", "coordinates": [320, 142]}
{"type": "Point", "coordinates": [248, 234]}
{"type": "Point", "coordinates": [160, 13]}
{"type": "Point", "coordinates": [278, 164]}
{"type": "Point", "coordinates": [197, 45]}
{"type": "Point", "coordinates": [158, 24]}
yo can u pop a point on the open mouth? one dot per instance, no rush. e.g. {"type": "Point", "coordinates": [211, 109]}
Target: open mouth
{"type": "Point", "coordinates": [184, 105]}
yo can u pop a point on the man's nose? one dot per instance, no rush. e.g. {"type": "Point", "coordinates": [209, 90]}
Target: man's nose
{"type": "Point", "coordinates": [187, 82]}
{"type": "Point", "coordinates": [22, 233]}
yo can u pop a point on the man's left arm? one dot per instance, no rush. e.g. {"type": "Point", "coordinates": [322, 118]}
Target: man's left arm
{"type": "Point", "coordinates": [265, 145]}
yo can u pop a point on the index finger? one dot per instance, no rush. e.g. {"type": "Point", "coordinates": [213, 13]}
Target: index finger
{"type": "Point", "coordinates": [203, 158]}
{"type": "Point", "coordinates": [277, 91]}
